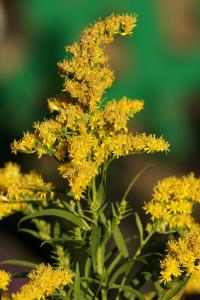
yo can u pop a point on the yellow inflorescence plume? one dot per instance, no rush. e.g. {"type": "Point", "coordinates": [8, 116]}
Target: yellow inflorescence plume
{"type": "Point", "coordinates": [5, 279]}
{"type": "Point", "coordinates": [17, 189]}
{"type": "Point", "coordinates": [173, 200]}
{"type": "Point", "coordinates": [88, 74]}
{"type": "Point", "coordinates": [84, 134]}
{"type": "Point", "coordinates": [44, 280]}
{"type": "Point", "coordinates": [183, 257]}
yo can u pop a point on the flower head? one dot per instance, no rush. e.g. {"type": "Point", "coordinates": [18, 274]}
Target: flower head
{"type": "Point", "coordinates": [173, 199]}
{"type": "Point", "coordinates": [183, 257]}
{"type": "Point", "coordinates": [5, 279]}
{"type": "Point", "coordinates": [18, 189]}
{"type": "Point", "coordinates": [44, 280]}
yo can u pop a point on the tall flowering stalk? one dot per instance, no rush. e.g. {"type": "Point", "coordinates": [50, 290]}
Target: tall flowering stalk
{"type": "Point", "coordinates": [84, 135]}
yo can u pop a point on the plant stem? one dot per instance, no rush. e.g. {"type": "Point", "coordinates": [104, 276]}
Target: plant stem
{"type": "Point", "coordinates": [135, 179]}
{"type": "Point", "coordinates": [94, 192]}
{"type": "Point", "coordinates": [138, 252]}
{"type": "Point", "coordinates": [104, 294]}
{"type": "Point", "coordinates": [143, 243]}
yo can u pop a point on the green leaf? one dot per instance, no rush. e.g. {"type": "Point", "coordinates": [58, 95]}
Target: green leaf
{"type": "Point", "coordinates": [126, 288]}
{"type": "Point", "coordinates": [94, 244]}
{"type": "Point", "coordinates": [62, 239]}
{"type": "Point", "coordinates": [123, 269]}
{"type": "Point", "coordinates": [101, 254]}
{"type": "Point", "coordinates": [87, 267]}
{"type": "Point", "coordinates": [119, 240]}
{"type": "Point", "coordinates": [70, 194]}
{"type": "Point", "coordinates": [139, 227]}
{"type": "Point", "coordinates": [30, 231]}
{"type": "Point", "coordinates": [77, 290]}
{"type": "Point", "coordinates": [167, 294]}
{"type": "Point", "coordinates": [57, 213]}
{"type": "Point", "coordinates": [56, 230]}
{"type": "Point", "coordinates": [114, 262]}
{"type": "Point", "coordinates": [17, 262]}
{"type": "Point", "coordinates": [101, 194]}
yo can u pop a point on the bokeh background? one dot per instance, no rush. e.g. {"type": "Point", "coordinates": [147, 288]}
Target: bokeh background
{"type": "Point", "coordinates": [160, 63]}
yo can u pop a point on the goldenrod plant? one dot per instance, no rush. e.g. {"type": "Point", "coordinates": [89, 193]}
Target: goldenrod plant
{"type": "Point", "coordinates": [84, 135]}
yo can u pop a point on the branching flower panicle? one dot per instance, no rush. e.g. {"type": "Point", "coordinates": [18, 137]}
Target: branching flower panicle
{"type": "Point", "coordinates": [84, 134]}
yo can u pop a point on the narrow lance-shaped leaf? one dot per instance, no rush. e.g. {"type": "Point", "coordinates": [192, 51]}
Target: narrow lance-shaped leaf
{"type": "Point", "coordinates": [58, 213]}
{"type": "Point", "coordinates": [112, 265]}
{"type": "Point", "coordinates": [119, 240]}
{"type": "Point", "coordinates": [18, 262]}
{"type": "Point", "coordinates": [30, 231]}
{"type": "Point", "coordinates": [62, 239]}
{"type": "Point", "coordinates": [77, 290]}
{"type": "Point", "coordinates": [101, 253]}
{"type": "Point", "coordinates": [123, 269]}
{"type": "Point", "coordinates": [126, 288]}
{"type": "Point", "coordinates": [168, 294]}
{"type": "Point", "coordinates": [87, 267]}
{"type": "Point", "coordinates": [94, 244]}
{"type": "Point", "coordinates": [139, 227]}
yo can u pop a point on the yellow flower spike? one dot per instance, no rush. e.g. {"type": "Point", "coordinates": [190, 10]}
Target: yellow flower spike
{"type": "Point", "coordinates": [5, 279]}
{"type": "Point", "coordinates": [44, 280]}
{"type": "Point", "coordinates": [90, 74]}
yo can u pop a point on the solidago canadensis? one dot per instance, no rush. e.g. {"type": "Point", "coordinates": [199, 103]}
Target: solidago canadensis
{"type": "Point", "coordinates": [92, 258]}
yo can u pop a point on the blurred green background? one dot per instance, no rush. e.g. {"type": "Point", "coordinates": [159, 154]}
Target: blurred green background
{"type": "Point", "coordinates": [160, 63]}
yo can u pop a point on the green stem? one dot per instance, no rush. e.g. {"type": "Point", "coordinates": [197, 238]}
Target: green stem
{"type": "Point", "coordinates": [143, 243]}
{"type": "Point", "coordinates": [94, 192]}
{"type": "Point", "coordinates": [135, 179]}
{"type": "Point", "coordinates": [138, 252]}
{"type": "Point", "coordinates": [104, 294]}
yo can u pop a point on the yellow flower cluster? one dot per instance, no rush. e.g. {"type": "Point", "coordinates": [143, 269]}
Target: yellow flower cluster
{"type": "Point", "coordinates": [173, 200]}
{"type": "Point", "coordinates": [5, 279]}
{"type": "Point", "coordinates": [44, 280]}
{"type": "Point", "coordinates": [16, 189]}
{"type": "Point", "coordinates": [83, 135]}
{"type": "Point", "coordinates": [88, 73]}
{"type": "Point", "coordinates": [183, 257]}
{"type": "Point", "coordinates": [86, 157]}
{"type": "Point", "coordinates": [115, 116]}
